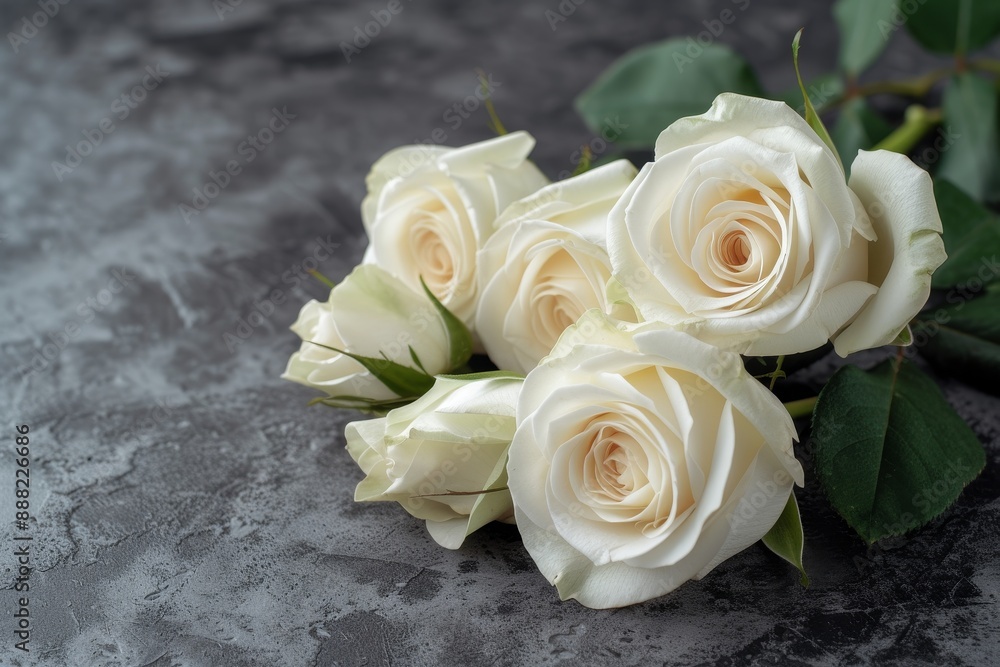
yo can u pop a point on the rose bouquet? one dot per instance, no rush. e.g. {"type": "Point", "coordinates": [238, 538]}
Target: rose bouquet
{"type": "Point", "coordinates": [639, 321]}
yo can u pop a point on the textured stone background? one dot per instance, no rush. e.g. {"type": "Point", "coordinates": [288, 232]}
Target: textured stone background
{"type": "Point", "coordinates": [191, 511]}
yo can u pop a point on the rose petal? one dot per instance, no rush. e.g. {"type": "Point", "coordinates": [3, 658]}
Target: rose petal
{"type": "Point", "coordinates": [899, 198]}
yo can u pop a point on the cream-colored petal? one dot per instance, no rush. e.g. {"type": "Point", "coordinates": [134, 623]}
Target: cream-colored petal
{"type": "Point", "coordinates": [899, 198]}
{"type": "Point", "coordinates": [451, 533]}
{"type": "Point", "coordinates": [837, 306]}
{"type": "Point", "coordinates": [377, 316]}
{"type": "Point", "coordinates": [756, 503]}
{"type": "Point", "coordinates": [571, 202]}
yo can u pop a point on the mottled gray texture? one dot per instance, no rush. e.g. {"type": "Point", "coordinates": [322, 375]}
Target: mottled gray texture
{"type": "Point", "coordinates": [191, 511]}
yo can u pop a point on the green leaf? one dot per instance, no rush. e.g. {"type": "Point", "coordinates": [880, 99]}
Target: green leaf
{"type": "Point", "coordinates": [785, 537]}
{"type": "Point", "coordinates": [815, 122]}
{"type": "Point", "coordinates": [891, 454]}
{"type": "Point", "coordinates": [970, 115]}
{"type": "Point", "coordinates": [485, 375]}
{"type": "Point", "coordinates": [971, 238]}
{"type": "Point", "coordinates": [460, 340]}
{"type": "Point", "coordinates": [964, 340]}
{"type": "Point", "coordinates": [650, 87]}
{"type": "Point", "coordinates": [954, 26]}
{"type": "Point", "coordinates": [862, 36]}
{"type": "Point", "coordinates": [402, 380]}
{"type": "Point", "coordinates": [859, 128]}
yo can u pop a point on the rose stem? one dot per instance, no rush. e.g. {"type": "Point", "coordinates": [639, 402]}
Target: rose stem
{"type": "Point", "coordinates": [801, 408]}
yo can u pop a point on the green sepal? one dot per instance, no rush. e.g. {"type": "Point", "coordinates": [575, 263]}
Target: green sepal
{"type": "Point", "coordinates": [416, 360]}
{"type": "Point", "coordinates": [904, 338]}
{"type": "Point", "coordinates": [401, 380]}
{"type": "Point", "coordinates": [459, 338]}
{"type": "Point", "coordinates": [369, 406]}
{"type": "Point", "coordinates": [786, 539]}
{"type": "Point", "coordinates": [485, 375]}
{"type": "Point", "coordinates": [812, 118]}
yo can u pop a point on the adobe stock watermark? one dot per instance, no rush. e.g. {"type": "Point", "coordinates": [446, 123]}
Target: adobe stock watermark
{"type": "Point", "coordinates": [945, 137]}
{"type": "Point", "coordinates": [901, 13]}
{"type": "Point", "coordinates": [900, 533]}
{"type": "Point", "coordinates": [31, 25]}
{"type": "Point", "coordinates": [714, 28]}
{"type": "Point", "coordinates": [820, 93]}
{"type": "Point", "coordinates": [876, 554]}
{"type": "Point", "coordinates": [929, 327]}
{"type": "Point", "coordinates": [453, 117]}
{"type": "Point", "coordinates": [263, 309]}
{"type": "Point", "coordinates": [611, 130]}
{"type": "Point", "coordinates": [247, 152]}
{"type": "Point", "coordinates": [87, 310]}
{"type": "Point", "coordinates": [223, 7]}
{"type": "Point", "coordinates": [563, 11]}
{"type": "Point", "coordinates": [435, 481]}
{"type": "Point", "coordinates": [363, 35]}
{"type": "Point", "coordinates": [122, 108]}
{"type": "Point", "coordinates": [760, 496]}
{"type": "Point", "coordinates": [396, 347]}
{"type": "Point", "coordinates": [462, 110]}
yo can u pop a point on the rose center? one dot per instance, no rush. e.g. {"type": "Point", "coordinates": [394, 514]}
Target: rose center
{"type": "Point", "coordinates": [734, 250]}
{"type": "Point", "coordinates": [553, 315]}
{"type": "Point", "coordinates": [613, 469]}
{"type": "Point", "coordinates": [616, 469]}
{"type": "Point", "coordinates": [433, 259]}
{"type": "Point", "coordinates": [559, 294]}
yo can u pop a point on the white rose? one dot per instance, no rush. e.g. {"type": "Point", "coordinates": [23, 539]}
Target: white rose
{"type": "Point", "coordinates": [547, 265]}
{"type": "Point", "coordinates": [643, 458]}
{"type": "Point", "coordinates": [369, 314]}
{"type": "Point", "coordinates": [744, 232]}
{"type": "Point", "coordinates": [429, 209]}
{"type": "Point", "coordinates": [435, 455]}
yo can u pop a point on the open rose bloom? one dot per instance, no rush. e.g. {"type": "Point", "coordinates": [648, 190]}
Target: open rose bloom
{"type": "Point", "coordinates": [744, 232]}
{"type": "Point", "coordinates": [430, 209]}
{"type": "Point", "coordinates": [644, 458]}
{"type": "Point", "coordinates": [546, 265]}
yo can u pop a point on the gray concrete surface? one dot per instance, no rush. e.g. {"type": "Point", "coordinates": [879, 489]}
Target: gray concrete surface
{"type": "Point", "coordinates": [191, 511]}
